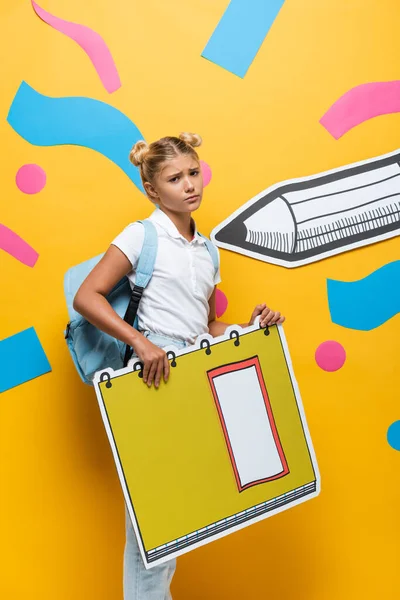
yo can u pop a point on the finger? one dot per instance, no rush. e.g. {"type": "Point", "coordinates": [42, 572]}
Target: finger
{"type": "Point", "coordinates": [265, 312]}
{"type": "Point", "coordinates": [160, 368]}
{"type": "Point", "coordinates": [275, 318]}
{"type": "Point", "coordinates": [258, 309]}
{"type": "Point", "coordinates": [166, 368]}
{"type": "Point", "coordinates": [267, 318]}
{"type": "Point", "coordinates": [152, 372]}
{"type": "Point", "coordinates": [146, 369]}
{"type": "Point", "coordinates": [281, 320]}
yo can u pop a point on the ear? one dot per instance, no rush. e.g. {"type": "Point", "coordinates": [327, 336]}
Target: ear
{"type": "Point", "coordinates": [150, 190]}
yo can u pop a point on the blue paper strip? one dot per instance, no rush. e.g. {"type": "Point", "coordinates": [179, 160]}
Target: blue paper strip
{"type": "Point", "coordinates": [367, 303]}
{"type": "Point", "coordinates": [45, 121]}
{"type": "Point", "coordinates": [240, 33]}
{"type": "Point", "coordinates": [21, 358]}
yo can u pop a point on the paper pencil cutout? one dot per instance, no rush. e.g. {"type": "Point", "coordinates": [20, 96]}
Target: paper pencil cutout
{"type": "Point", "coordinates": [304, 220]}
{"type": "Point", "coordinates": [223, 444]}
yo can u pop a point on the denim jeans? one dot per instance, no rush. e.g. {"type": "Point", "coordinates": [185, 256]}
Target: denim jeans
{"type": "Point", "coordinates": [140, 583]}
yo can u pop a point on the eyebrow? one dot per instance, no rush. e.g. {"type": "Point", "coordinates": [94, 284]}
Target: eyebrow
{"type": "Point", "coordinates": [196, 168]}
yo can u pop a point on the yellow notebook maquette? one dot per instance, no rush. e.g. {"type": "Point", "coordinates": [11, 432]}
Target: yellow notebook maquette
{"type": "Point", "coordinates": [223, 444]}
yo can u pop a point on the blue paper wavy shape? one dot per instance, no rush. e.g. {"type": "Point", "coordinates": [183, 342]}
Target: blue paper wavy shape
{"type": "Point", "coordinates": [367, 303]}
{"type": "Point", "coordinates": [45, 121]}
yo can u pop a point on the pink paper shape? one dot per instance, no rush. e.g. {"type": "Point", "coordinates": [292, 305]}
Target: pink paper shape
{"type": "Point", "coordinates": [207, 174]}
{"type": "Point", "coordinates": [330, 356]}
{"type": "Point", "coordinates": [361, 103]}
{"type": "Point", "coordinates": [91, 42]}
{"type": "Point", "coordinates": [221, 303]}
{"type": "Point", "coordinates": [17, 247]}
{"type": "Point", "coordinates": [30, 179]}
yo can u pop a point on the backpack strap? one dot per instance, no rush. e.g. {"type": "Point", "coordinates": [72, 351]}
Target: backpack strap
{"type": "Point", "coordinates": [212, 250]}
{"type": "Point", "coordinates": [147, 258]}
{"type": "Point", "coordinates": [144, 272]}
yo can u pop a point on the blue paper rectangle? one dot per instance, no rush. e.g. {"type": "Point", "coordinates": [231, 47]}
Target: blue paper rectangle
{"type": "Point", "coordinates": [21, 358]}
{"type": "Point", "coordinates": [240, 33]}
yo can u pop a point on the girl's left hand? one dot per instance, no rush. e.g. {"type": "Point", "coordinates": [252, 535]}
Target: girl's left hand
{"type": "Point", "coordinates": [267, 316]}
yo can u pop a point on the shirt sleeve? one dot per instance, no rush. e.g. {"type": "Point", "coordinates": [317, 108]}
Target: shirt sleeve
{"type": "Point", "coordinates": [217, 276]}
{"type": "Point", "coordinates": [130, 242]}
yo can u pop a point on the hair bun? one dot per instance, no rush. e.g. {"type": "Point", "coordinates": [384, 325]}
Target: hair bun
{"type": "Point", "coordinates": [138, 153]}
{"type": "Point", "coordinates": [192, 139]}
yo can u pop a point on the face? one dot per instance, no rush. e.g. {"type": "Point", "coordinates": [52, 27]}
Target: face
{"type": "Point", "coordinates": [178, 186]}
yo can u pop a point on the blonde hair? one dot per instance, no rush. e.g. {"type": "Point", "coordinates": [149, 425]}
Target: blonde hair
{"type": "Point", "coordinates": [149, 157]}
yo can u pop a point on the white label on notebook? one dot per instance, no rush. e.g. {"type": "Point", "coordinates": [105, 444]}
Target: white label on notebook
{"type": "Point", "coordinates": [248, 423]}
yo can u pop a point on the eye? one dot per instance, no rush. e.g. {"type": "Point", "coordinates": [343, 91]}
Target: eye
{"type": "Point", "coordinates": [195, 172]}
{"type": "Point", "coordinates": [174, 179]}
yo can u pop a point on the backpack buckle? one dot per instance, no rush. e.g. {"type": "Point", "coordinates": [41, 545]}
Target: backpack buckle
{"type": "Point", "coordinates": [137, 291]}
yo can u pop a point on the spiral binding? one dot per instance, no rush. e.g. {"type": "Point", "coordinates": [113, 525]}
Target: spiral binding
{"type": "Point", "coordinates": [138, 366]}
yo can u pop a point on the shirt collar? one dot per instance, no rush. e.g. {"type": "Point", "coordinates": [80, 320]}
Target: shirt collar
{"type": "Point", "coordinates": [159, 217]}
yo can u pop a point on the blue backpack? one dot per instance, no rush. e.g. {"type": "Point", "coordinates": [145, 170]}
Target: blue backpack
{"type": "Point", "coordinates": [92, 349]}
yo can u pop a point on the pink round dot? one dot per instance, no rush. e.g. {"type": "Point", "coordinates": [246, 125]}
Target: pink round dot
{"type": "Point", "coordinates": [205, 169]}
{"type": "Point", "coordinates": [30, 179]}
{"type": "Point", "coordinates": [330, 356]}
{"type": "Point", "coordinates": [221, 303]}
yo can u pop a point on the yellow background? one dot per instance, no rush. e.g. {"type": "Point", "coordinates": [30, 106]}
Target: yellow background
{"type": "Point", "coordinates": [194, 472]}
{"type": "Point", "coordinates": [61, 513]}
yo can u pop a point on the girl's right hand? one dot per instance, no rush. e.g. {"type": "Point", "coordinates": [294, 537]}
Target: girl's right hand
{"type": "Point", "coordinates": [154, 359]}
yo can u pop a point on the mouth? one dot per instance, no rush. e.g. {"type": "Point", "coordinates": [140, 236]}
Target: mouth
{"type": "Point", "coordinates": [192, 198]}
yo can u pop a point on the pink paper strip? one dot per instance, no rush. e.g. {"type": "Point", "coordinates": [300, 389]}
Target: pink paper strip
{"type": "Point", "coordinates": [91, 42]}
{"type": "Point", "coordinates": [17, 247]}
{"type": "Point", "coordinates": [361, 103]}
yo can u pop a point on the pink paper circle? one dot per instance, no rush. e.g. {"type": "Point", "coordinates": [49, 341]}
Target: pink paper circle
{"type": "Point", "coordinates": [330, 356]}
{"type": "Point", "coordinates": [207, 174]}
{"type": "Point", "coordinates": [30, 179]}
{"type": "Point", "coordinates": [221, 303]}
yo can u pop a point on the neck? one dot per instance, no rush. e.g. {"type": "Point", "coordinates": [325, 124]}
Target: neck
{"type": "Point", "coordinates": [183, 222]}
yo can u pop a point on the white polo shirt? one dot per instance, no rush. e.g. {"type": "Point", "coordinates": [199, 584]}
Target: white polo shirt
{"type": "Point", "coordinates": [175, 302]}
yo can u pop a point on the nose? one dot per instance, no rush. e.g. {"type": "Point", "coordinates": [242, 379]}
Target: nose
{"type": "Point", "coordinates": [188, 183]}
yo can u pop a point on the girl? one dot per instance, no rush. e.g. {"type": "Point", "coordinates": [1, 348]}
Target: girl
{"type": "Point", "coordinates": [177, 306]}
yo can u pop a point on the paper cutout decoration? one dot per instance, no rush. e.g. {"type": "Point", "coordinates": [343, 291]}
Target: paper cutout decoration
{"type": "Point", "coordinates": [240, 33]}
{"type": "Point", "coordinates": [22, 358]}
{"type": "Point", "coordinates": [221, 303]}
{"type": "Point", "coordinates": [330, 356]}
{"type": "Point", "coordinates": [300, 221]}
{"type": "Point", "coordinates": [360, 104]}
{"type": "Point", "coordinates": [393, 435]}
{"type": "Point", "coordinates": [223, 444]}
{"type": "Point", "coordinates": [18, 248]}
{"type": "Point", "coordinates": [30, 179]}
{"type": "Point", "coordinates": [206, 172]}
{"type": "Point", "coordinates": [91, 42]}
{"type": "Point", "coordinates": [45, 121]}
{"type": "Point", "coordinates": [367, 303]}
